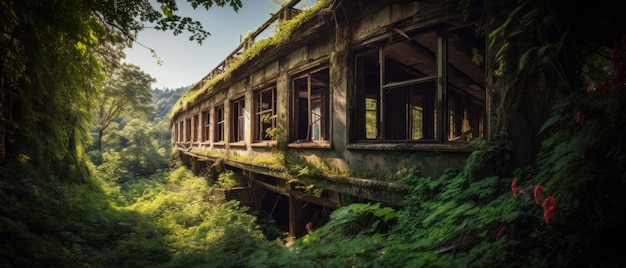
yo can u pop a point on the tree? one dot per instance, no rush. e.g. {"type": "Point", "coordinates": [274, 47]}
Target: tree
{"type": "Point", "coordinates": [53, 55]}
{"type": "Point", "coordinates": [126, 92]}
{"type": "Point", "coordinates": [142, 154]}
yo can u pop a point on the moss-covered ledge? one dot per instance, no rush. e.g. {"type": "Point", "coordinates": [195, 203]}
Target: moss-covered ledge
{"type": "Point", "coordinates": [390, 193]}
{"type": "Point", "coordinates": [366, 189]}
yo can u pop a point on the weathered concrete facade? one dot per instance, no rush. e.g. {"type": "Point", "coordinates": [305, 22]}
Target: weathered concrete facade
{"type": "Point", "coordinates": [338, 112]}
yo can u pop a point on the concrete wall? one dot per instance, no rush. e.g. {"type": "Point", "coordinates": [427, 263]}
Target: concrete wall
{"type": "Point", "coordinates": [347, 166]}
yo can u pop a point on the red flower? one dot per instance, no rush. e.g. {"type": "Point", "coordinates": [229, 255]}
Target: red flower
{"type": "Point", "coordinates": [514, 187]}
{"type": "Point", "coordinates": [538, 190]}
{"type": "Point", "coordinates": [501, 232]}
{"type": "Point", "coordinates": [580, 118]}
{"type": "Point", "coordinates": [548, 207]}
{"type": "Point", "coordinates": [618, 78]}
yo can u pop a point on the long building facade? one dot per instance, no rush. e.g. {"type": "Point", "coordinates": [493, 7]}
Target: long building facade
{"type": "Point", "coordinates": [342, 102]}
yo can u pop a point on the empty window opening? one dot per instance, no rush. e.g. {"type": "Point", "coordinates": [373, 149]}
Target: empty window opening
{"type": "Point", "coordinates": [238, 122]}
{"type": "Point", "coordinates": [206, 123]}
{"type": "Point", "coordinates": [180, 131]}
{"type": "Point", "coordinates": [265, 118]}
{"type": "Point", "coordinates": [188, 130]}
{"type": "Point", "coordinates": [311, 106]}
{"type": "Point", "coordinates": [219, 124]}
{"type": "Point", "coordinates": [410, 113]}
{"type": "Point", "coordinates": [398, 95]}
{"type": "Point", "coordinates": [196, 127]}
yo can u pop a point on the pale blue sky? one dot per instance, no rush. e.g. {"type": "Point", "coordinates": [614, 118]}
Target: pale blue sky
{"type": "Point", "coordinates": [185, 62]}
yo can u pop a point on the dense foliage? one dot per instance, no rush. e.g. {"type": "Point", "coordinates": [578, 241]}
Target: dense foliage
{"type": "Point", "coordinates": [563, 210]}
{"type": "Point", "coordinates": [180, 223]}
{"type": "Point", "coordinates": [54, 60]}
{"type": "Point", "coordinates": [136, 144]}
{"type": "Point", "coordinates": [133, 211]}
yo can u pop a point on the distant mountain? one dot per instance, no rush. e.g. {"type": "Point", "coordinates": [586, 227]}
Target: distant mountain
{"type": "Point", "coordinates": [164, 100]}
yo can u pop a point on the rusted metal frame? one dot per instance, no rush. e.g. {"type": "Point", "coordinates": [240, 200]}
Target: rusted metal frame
{"type": "Point", "coordinates": [312, 199]}
{"type": "Point", "coordinates": [442, 103]}
{"type": "Point", "coordinates": [381, 94]}
{"type": "Point", "coordinates": [219, 124]}
{"type": "Point", "coordinates": [309, 103]}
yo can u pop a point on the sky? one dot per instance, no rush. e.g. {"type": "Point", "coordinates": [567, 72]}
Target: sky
{"type": "Point", "coordinates": [185, 62]}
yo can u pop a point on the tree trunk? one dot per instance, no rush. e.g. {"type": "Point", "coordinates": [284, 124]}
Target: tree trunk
{"type": "Point", "coordinates": [100, 131]}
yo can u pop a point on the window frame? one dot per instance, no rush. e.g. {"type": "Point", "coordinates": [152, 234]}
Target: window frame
{"type": "Point", "coordinates": [206, 126]}
{"type": "Point", "coordinates": [370, 68]}
{"type": "Point", "coordinates": [188, 129]}
{"type": "Point", "coordinates": [196, 127]}
{"type": "Point", "coordinates": [181, 131]}
{"type": "Point", "coordinates": [321, 95]}
{"type": "Point", "coordinates": [237, 119]}
{"type": "Point", "coordinates": [175, 137]}
{"type": "Point", "coordinates": [219, 123]}
{"type": "Point", "coordinates": [260, 132]}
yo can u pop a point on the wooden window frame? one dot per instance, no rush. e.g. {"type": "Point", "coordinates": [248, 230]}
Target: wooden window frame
{"type": "Point", "coordinates": [264, 114]}
{"type": "Point", "coordinates": [206, 125]}
{"type": "Point", "coordinates": [220, 120]}
{"type": "Point", "coordinates": [302, 109]}
{"type": "Point", "coordinates": [238, 120]}
{"type": "Point", "coordinates": [444, 124]}
{"type": "Point", "coordinates": [196, 128]}
{"type": "Point", "coordinates": [188, 129]}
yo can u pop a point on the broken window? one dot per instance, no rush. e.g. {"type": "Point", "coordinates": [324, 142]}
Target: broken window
{"type": "Point", "coordinates": [465, 84]}
{"type": "Point", "coordinates": [206, 123]}
{"type": "Point", "coordinates": [188, 130]}
{"type": "Point", "coordinates": [176, 138]}
{"type": "Point", "coordinates": [408, 104]}
{"type": "Point", "coordinates": [196, 127]}
{"type": "Point", "coordinates": [237, 108]}
{"type": "Point", "coordinates": [311, 106]}
{"type": "Point", "coordinates": [218, 135]}
{"type": "Point", "coordinates": [410, 112]}
{"type": "Point", "coordinates": [180, 131]}
{"type": "Point", "coordinates": [368, 94]}
{"type": "Point", "coordinates": [265, 117]}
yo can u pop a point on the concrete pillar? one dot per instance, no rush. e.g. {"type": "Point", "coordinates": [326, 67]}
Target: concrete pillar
{"type": "Point", "coordinates": [296, 222]}
{"type": "Point", "coordinates": [194, 166]}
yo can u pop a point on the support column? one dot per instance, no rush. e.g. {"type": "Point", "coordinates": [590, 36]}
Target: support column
{"type": "Point", "coordinates": [296, 225]}
{"type": "Point", "coordinates": [194, 166]}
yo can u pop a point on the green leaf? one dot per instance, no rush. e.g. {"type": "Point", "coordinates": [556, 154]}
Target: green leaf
{"type": "Point", "coordinates": [551, 121]}
{"type": "Point", "coordinates": [524, 58]}
{"type": "Point", "coordinates": [167, 11]}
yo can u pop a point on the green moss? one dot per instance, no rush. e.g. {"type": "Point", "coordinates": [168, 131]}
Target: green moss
{"type": "Point", "coordinates": [229, 179]}
{"type": "Point", "coordinates": [207, 152]}
{"type": "Point", "coordinates": [282, 36]}
{"type": "Point", "coordinates": [276, 159]}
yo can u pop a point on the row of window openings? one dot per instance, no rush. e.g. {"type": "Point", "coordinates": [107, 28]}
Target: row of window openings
{"type": "Point", "coordinates": [403, 108]}
{"type": "Point", "coordinates": [419, 123]}
{"type": "Point", "coordinates": [412, 116]}
{"type": "Point", "coordinates": [265, 103]}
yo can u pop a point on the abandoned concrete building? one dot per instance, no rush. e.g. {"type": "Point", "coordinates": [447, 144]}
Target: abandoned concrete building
{"type": "Point", "coordinates": [336, 106]}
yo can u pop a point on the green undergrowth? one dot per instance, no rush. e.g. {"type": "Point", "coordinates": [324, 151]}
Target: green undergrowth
{"type": "Point", "coordinates": [171, 219]}
{"type": "Point", "coordinates": [192, 226]}
{"type": "Point", "coordinates": [229, 179]}
{"type": "Point", "coordinates": [448, 221]}
{"type": "Point", "coordinates": [565, 210]}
